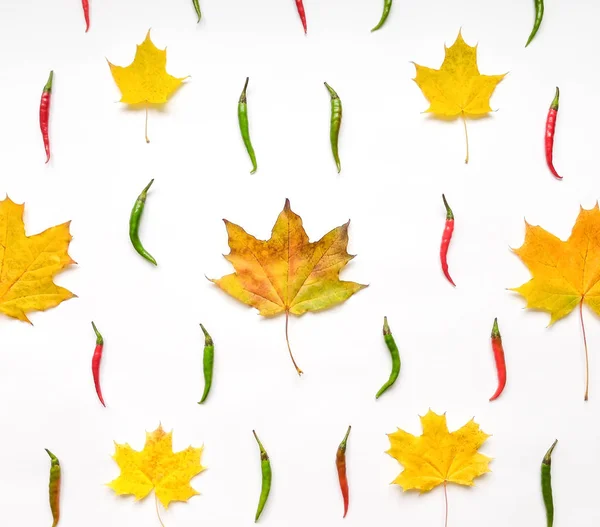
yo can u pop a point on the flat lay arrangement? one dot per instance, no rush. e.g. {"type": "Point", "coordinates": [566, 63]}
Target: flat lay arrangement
{"type": "Point", "coordinates": [288, 274]}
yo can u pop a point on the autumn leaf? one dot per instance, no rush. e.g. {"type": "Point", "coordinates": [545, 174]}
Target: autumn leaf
{"type": "Point", "coordinates": [28, 264]}
{"type": "Point", "coordinates": [287, 273]}
{"type": "Point", "coordinates": [565, 274]}
{"type": "Point", "coordinates": [439, 457]}
{"type": "Point", "coordinates": [157, 468]}
{"type": "Point", "coordinates": [457, 89]}
{"type": "Point", "coordinates": [145, 80]}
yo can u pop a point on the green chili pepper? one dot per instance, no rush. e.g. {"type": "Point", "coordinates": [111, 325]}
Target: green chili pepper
{"type": "Point", "coordinates": [134, 224]}
{"type": "Point", "coordinates": [209, 360]}
{"type": "Point", "coordinates": [336, 123]}
{"type": "Point", "coordinates": [197, 8]}
{"type": "Point", "coordinates": [539, 14]}
{"type": "Point", "coordinates": [265, 466]}
{"type": "Point", "coordinates": [387, 5]}
{"type": "Point", "coordinates": [54, 487]}
{"type": "Point", "coordinates": [243, 120]}
{"type": "Point", "coordinates": [547, 485]}
{"type": "Point", "coordinates": [391, 344]}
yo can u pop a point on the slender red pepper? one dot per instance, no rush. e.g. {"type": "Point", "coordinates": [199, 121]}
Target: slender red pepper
{"type": "Point", "coordinates": [550, 127]}
{"type": "Point", "coordinates": [500, 361]}
{"type": "Point", "coordinates": [86, 13]}
{"type": "Point", "coordinates": [446, 237]}
{"type": "Point", "coordinates": [300, 6]}
{"type": "Point", "coordinates": [340, 463]}
{"type": "Point", "coordinates": [45, 114]}
{"type": "Point", "coordinates": [96, 363]}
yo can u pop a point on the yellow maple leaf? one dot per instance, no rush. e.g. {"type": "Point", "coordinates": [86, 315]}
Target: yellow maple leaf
{"type": "Point", "coordinates": [457, 89]}
{"type": "Point", "coordinates": [157, 467]}
{"type": "Point", "coordinates": [287, 273]}
{"type": "Point", "coordinates": [438, 456]}
{"type": "Point", "coordinates": [28, 264]}
{"type": "Point", "coordinates": [565, 274]}
{"type": "Point", "coordinates": [146, 79]}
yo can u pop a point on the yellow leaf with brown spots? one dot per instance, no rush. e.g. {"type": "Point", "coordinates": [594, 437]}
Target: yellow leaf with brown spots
{"type": "Point", "coordinates": [157, 468]}
{"type": "Point", "coordinates": [565, 274]}
{"type": "Point", "coordinates": [457, 89]}
{"type": "Point", "coordinates": [28, 264]}
{"type": "Point", "coordinates": [288, 273]}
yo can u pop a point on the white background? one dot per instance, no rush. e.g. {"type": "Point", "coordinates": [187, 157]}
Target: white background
{"type": "Point", "coordinates": [396, 162]}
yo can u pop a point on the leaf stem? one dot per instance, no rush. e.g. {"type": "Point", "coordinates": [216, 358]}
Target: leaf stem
{"type": "Point", "coordinates": [287, 318]}
{"type": "Point", "coordinates": [587, 361]}
{"type": "Point", "coordinates": [158, 513]}
{"type": "Point", "coordinates": [466, 136]}
{"type": "Point", "coordinates": [146, 128]}
{"type": "Point", "coordinates": [446, 498]}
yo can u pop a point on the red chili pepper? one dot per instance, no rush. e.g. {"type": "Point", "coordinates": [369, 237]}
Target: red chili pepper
{"type": "Point", "coordinates": [45, 114]}
{"type": "Point", "coordinates": [300, 6]}
{"type": "Point", "coordinates": [86, 13]}
{"type": "Point", "coordinates": [340, 463]}
{"type": "Point", "coordinates": [550, 127]}
{"type": "Point", "coordinates": [500, 361]}
{"type": "Point", "coordinates": [446, 237]}
{"type": "Point", "coordinates": [96, 363]}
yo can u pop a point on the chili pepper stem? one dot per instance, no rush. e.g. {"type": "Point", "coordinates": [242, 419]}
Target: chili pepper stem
{"type": "Point", "coordinates": [260, 446]}
{"type": "Point", "coordinates": [287, 318]}
{"type": "Point", "coordinates": [243, 95]}
{"type": "Point", "coordinates": [554, 105]}
{"type": "Point", "coordinates": [345, 440]}
{"type": "Point", "coordinates": [464, 119]}
{"type": "Point", "coordinates": [48, 85]}
{"type": "Point", "coordinates": [146, 189]}
{"type": "Point", "coordinates": [548, 457]}
{"type": "Point", "coordinates": [449, 213]}
{"type": "Point", "coordinates": [146, 127]}
{"type": "Point", "coordinates": [587, 361]}
{"type": "Point", "coordinates": [99, 339]}
{"type": "Point", "coordinates": [446, 500]}
{"type": "Point", "coordinates": [157, 511]}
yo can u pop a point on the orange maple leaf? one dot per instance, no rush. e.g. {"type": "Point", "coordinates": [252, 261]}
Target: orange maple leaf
{"type": "Point", "coordinates": [287, 273]}
{"type": "Point", "coordinates": [565, 274]}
